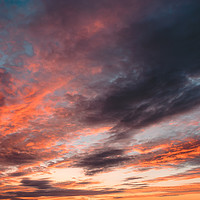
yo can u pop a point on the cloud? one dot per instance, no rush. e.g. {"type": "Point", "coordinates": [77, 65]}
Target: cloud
{"type": "Point", "coordinates": [156, 80]}
{"type": "Point", "coordinates": [17, 157]}
{"type": "Point", "coordinates": [101, 160]}
{"type": "Point", "coordinates": [45, 189]}
{"type": "Point", "coordinates": [132, 178]}
{"type": "Point", "coordinates": [178, 153]}
{"type": "Point", "coordinates": [39, 184]}
{"type": "Point", "coordinates": [17, 174]}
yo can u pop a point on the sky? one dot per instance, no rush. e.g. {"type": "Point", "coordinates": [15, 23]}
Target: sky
{"type": "Point", "coordinates": [99, 99]}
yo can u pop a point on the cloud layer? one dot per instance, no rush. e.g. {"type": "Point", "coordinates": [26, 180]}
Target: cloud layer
{"type": "Point", "coordinates": [99, 98]}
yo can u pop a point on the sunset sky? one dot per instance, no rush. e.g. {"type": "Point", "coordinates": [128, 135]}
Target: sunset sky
{"type": "Point", "coordinates": [100, 99]}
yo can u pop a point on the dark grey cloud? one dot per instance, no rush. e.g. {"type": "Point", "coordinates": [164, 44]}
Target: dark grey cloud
{"type": "Point", "coordinates": [159, 76]}
{"type": "Point", "coordinates": [132, 178]}
{"type": "Point", "coordinates": [100, 160]}
{"type": "Point", "coordinates": [84, 183]}
{"type": "Point", "coordinates": [39, 184]}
